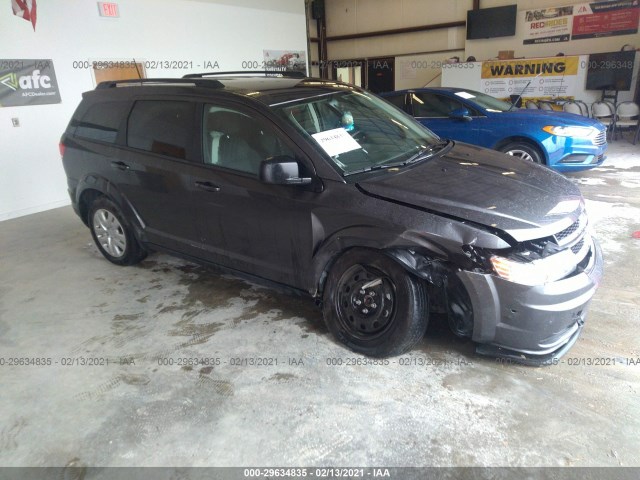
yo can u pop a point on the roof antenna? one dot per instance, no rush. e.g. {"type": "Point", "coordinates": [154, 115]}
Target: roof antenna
{"type": "Point", "coordinates": [513, 104]}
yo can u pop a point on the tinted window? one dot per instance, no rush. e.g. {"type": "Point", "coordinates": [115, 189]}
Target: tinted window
{"type": "Point", "coordinates": [164, 127]}
{"type": "Point", "coordinates": [490, 103]}
{"type": "Point", "coordinates": [237, 141]}
{"type": "Point", "coordinates": [431, 105]}
{"type": "Point", "coordinates": [397, 100]}
{"type": "Point", "coordinates": [102, 121]}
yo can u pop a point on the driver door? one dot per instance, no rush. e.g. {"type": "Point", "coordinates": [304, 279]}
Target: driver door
{"type": "Point", "coordinates": [243, 223]}
{"type": "Point", "coordinates": [433, 111]}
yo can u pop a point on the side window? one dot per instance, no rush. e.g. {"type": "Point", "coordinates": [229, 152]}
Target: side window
{"type": "Point", "coordinates": [102, 121]}
{"type": "Point", "coordinates": [431, 105]}
{"type": "Point", "coordinates": [164, 127]}
{"type": "Point", "coordinates": [397, 100]}
{"type": "Point", "coordinates": [235, 140]}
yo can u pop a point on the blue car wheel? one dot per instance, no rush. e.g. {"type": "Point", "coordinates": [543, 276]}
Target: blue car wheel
{"type": "Point", "coordinates": [524, 151]}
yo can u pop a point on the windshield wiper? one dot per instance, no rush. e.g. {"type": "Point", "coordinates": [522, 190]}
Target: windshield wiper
{"type": "Point", "coordinates": [426, 152]}
{"type": "Point", "coordinates": [422, 154]}
{"type": "Point", "coordinates": [375, 167]}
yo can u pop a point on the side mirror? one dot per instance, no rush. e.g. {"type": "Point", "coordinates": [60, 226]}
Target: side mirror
{"type": "Point", "coordinates": [460, 114]}
{"type": "Point", "coordinates": [282, 170]}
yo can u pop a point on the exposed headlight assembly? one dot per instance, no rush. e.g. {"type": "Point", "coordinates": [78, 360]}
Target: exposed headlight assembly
{"type": "Point", "coordinates": [535, 272]}
{"type": "Point", "coordinates": [564, 131]}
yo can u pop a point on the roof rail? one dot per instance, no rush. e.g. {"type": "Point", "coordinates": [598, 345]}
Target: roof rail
{"type": "Point", "coordinates": [203, 82]}
{"type": "Point", "coordinates": [282, 73]}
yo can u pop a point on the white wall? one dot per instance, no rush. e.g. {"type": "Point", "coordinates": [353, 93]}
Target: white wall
{"type": "Point", "coordinates": [362, 16]}
{"type": "Point", "coordinates": [414, 71]}
{"type": "Point", "coordinates": [227, 31]}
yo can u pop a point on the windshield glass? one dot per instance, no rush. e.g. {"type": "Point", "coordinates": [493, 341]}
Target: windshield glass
{"type": "Point", "coordinates": [357, 130]}
{"type": "Point", "coordinates": [486, 101]}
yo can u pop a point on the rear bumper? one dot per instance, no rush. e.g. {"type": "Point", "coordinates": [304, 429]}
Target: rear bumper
{"type": "Point", "coordinates": [533, 325]}
{"type": "Point", "coordinates": [74, 204]}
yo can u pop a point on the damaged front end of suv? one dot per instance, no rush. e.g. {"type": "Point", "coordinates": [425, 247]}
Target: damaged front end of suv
{"type": "Point", "coordinates": [525, 303]}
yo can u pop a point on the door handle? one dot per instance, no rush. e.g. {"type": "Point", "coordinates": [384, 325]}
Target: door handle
{"type": "Point", "coordinates": [208, 186]}
{"type": "Point", "coordinates": [120, 165]}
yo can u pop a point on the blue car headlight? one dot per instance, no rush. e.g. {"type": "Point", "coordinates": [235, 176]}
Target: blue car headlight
{"type": "Point", "coordinates": [565, 131]}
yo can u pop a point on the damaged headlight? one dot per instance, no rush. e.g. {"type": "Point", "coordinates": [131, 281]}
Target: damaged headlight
{"type": "Point", "coordinates": [535, 272]}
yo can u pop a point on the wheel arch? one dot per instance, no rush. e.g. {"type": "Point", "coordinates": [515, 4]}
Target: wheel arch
{"type": "Point", "coordinates": [85, 199]}
{"type": "Point", "coordinates": [409, 255]}
{"type": "Point", "coordinates": [523, 139]}
{"type": "Point", "coordinates": [92, 187]}
{"type": "Point", "coordinates": [430, 265]}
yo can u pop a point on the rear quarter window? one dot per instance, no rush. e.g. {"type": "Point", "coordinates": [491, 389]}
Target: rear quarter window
{"type": "Point", "coordinates": [102, 121]}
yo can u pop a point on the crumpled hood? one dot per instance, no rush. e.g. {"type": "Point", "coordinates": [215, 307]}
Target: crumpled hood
{"type": "Point", "coordinates": [483, 186]}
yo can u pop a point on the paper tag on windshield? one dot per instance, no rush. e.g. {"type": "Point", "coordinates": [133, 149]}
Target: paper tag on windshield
{"type": "Point", "coordinates": [336, 141]}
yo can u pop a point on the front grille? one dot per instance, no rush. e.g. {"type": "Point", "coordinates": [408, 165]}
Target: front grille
{"type": "Point", "coordinates": [573, 232]}
{"type": "Point", "coordinates": [578, 246]}
{"type": "Point", "coordinates": [601, 139]}
{"type": "Point", "coordinates": [566, 235]}
{"type": "Point", "coordinates": [567, 231]}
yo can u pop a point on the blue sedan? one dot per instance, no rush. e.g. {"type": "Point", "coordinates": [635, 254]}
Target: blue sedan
{"type": "Point", "coordinates": [562, 141]}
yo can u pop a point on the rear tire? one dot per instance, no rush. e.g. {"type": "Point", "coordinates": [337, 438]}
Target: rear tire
{"type": "Point", "coordinates": [387, 317]}
{"type": "Point", "coordinates": [112, 233]}
{"type": "Point", "coordinates": [524, 151]}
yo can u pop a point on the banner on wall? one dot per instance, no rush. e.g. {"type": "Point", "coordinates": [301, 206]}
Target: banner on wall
{"type": "Point", "coordinates": [28, 82]}
{"type": "Point", "coordinates": [548, 25]}
{"type": "Point", "coordinates": [287, 60]}
{"type": "Point", "coordinates": [605, 19]}
{"type": "Point", "coordinates": [585, 20]}
{"type": "Point", "coordinates": [541, 77]}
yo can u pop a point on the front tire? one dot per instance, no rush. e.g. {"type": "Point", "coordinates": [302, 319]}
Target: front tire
{"type": "Point", "coordinates": [373, 306]}
{"type": "Point", "coordinates": [524, 151]}
{"type": "Point", "coordinates": [112, 233]}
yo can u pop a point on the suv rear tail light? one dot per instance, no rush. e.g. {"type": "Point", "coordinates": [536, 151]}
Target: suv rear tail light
{"type": "Point", "coordinates": [62, 148]}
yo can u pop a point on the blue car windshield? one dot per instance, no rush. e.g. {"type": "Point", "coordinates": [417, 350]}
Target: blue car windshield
{"type": "Point", "coordinates": [358, 131]}
{"type": "Point", "coordinates": [487, 102]}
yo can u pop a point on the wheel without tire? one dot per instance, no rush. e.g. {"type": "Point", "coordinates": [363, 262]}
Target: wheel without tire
{"type": "Point", "coordinates": [113, 234]}
{"type": "Point", "coordinates": [523, 150]}
{"type": "Point", "coordinates": [374, 306]}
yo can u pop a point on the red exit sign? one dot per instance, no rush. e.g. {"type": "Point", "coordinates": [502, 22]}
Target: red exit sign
{"type": "Point", "coordinates": [108, 9]}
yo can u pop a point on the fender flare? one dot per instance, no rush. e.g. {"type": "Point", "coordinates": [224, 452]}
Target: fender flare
{"type": "Point", "coordinates": [390, 243]}
{"type": "Point", "coordinates": [92, 185]}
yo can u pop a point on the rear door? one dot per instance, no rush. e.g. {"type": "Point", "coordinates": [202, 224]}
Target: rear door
{"type": "Point", "coordinates": [155, 169]}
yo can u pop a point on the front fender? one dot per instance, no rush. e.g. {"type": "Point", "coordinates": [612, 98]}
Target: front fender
{"type": "Point", "coordinates": [364, 236]}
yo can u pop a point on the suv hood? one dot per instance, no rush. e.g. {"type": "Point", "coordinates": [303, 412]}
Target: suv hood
{"type": "Point", "coordinates": [470, 183]}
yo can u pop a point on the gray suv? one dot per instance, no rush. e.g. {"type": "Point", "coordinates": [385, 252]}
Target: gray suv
{"type": "Point", "coordinates": [329, 190]}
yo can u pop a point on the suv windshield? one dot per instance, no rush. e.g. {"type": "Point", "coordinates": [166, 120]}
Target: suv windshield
{"type": "Point", "coordinates": [486, 101]}
{"type": "Point", "coordinates": [359, 131]}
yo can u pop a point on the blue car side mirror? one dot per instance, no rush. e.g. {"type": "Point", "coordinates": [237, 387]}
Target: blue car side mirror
{"type": "Point", "coordinates": [460, 114]}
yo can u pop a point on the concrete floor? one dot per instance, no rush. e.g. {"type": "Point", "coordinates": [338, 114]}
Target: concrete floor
{"type": "Point", "coordinates": [60, 300]}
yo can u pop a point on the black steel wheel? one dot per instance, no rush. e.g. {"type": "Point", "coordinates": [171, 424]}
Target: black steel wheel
{"type": "Point", "coordinates": [112, 233]}
{"type": "Point", "coordinates": [373, 305]}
